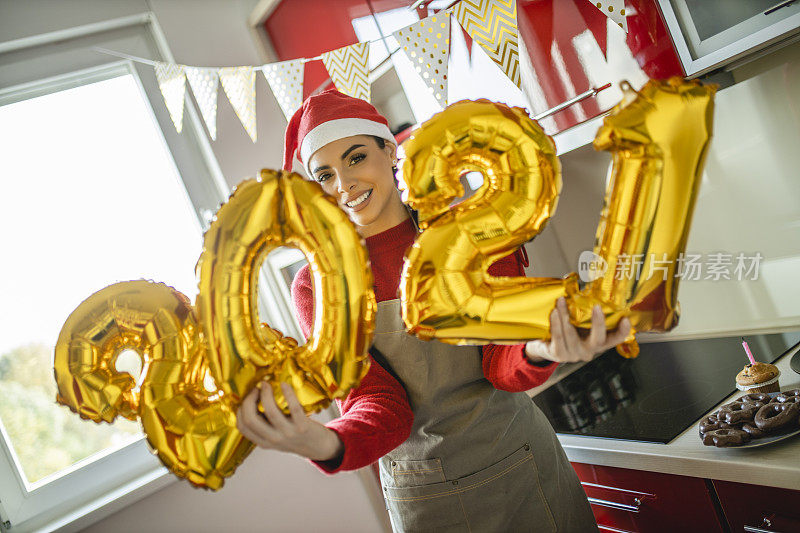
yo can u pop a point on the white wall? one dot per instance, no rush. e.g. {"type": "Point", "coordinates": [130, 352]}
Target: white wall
{"type": "Point", "coordinates": [270, 491]}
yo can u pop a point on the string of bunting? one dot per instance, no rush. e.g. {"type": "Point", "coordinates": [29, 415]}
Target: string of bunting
{"type": "Point", "coordinates": [491, 23]}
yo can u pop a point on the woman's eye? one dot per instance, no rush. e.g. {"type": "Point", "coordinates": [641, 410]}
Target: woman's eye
{"type": "Point", "coordinates": [356, 158]}
{"type": "Point", "coordinates": [323, 177]}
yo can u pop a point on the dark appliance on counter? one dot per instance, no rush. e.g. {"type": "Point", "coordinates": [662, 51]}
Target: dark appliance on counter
{"type": "Point", "coordinates": [657, 395]}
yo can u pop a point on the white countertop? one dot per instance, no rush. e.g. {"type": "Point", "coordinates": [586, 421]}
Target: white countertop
{"type": "Point", "coordinates": [775, 465]}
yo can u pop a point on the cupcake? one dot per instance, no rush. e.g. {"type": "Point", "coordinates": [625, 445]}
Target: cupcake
{"type": "Point", "coordinates": [759, 377]}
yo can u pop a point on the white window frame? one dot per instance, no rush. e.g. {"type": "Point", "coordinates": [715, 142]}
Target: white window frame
{"type": "Point", "coordinates": [42, 64]}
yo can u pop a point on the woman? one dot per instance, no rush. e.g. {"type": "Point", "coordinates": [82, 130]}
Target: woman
{"type": "Point", "coordinates": [460, 446]}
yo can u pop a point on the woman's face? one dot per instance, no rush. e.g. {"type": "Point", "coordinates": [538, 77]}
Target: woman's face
{"type": "Point", "coordinates": [358, 174]}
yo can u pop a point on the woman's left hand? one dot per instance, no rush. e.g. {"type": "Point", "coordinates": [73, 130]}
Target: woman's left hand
{"type": "Point", "coordinates": [566, 346]}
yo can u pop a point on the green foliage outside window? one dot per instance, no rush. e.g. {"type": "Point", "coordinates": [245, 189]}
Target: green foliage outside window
{"type": "Point", "coordinates": [48, 437]}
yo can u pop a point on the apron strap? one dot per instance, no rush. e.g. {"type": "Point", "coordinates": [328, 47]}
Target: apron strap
{"type": "Point", "coordinates": [379, 358]}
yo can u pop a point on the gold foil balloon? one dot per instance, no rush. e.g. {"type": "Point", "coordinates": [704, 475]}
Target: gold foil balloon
{"type": "Point", "coordinates": [659, 137]}
{"type": "Point", "coordinates": [445, 291]}
{"type": "Point", "coordinates": [280, 209]}
{"type": "Point", "coordinates": [193, 431]}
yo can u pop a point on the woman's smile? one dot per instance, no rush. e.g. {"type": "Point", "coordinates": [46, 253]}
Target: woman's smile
{"type": "Point", "coordinates": [359, 202]}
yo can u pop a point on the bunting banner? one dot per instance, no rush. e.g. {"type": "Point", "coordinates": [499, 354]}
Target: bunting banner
{"type": "Point", "coordinates": [239, 84]}
{"type": "Point", "coordinates": [348, 68]}
{"type": "Point", "coordinates": [286, 81]}
{"type": "Point", "coordinates": [427, 45]}
{"type": "Point", "coordinates": [493, 25]}
{"type": "Point", "coordinates": [205, 85]}
{"type": "Point", "coordinates": [615, 10]}
{"type": "Point", "coordinates": [172, 83]}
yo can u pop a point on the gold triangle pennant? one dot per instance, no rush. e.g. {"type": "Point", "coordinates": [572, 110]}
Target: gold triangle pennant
{"type": "Point", "coordinates": [615, 10]}
{"type": "Point", "coordinates": [493, 25]}
{"type": "Point", "coordinates": [427, 45]}
{"type": "Point", "coordinates": [239, 84]}
{"type": "Point", "coordinates": [286, 81]}
{"type": "Point", "coordinates": [172, 82]}
{"type": "Point", "coordinates": [205, 85]}
{"type": "Point", "coordinates": [348, 69]}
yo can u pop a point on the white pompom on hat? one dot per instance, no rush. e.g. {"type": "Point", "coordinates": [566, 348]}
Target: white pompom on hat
{"type": "Point", "coordinates": [327, 117]}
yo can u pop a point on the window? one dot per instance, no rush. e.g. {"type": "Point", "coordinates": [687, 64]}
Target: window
{"type": "Point", "coordinates": [109, 207]}
{"type": "Point", "coordinates": [98, 188]}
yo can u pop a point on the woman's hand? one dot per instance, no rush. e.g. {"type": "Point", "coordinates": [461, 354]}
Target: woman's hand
{"type": "Point", "coordinates": [566, 346]}
{"type": "Point", "coordinates": [295, 433]}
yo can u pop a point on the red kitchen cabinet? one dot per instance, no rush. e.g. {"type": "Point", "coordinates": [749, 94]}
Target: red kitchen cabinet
{"type": "Point", "coordinates": [752, 508]}
{"type": "Point", "coordinates": [638, 501]}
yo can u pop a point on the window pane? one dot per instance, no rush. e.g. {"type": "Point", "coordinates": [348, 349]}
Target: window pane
{"type": "Point", "coordinates": [91, 197]}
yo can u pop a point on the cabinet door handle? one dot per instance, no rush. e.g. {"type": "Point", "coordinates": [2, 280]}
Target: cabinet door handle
{"type": "Point", "coordinates": [617, 505]}
{"type": "Point", "coordinates": [765, 522]}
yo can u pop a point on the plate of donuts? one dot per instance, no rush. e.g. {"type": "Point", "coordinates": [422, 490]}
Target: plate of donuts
{"type": "Point", "coordinates": [752, 420]}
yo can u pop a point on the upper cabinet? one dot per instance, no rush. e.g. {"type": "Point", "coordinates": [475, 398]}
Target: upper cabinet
{"type": "Point", "coordinates": [708, 34]}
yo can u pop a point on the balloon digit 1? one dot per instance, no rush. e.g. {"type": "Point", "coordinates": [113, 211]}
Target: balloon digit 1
{"type": "Point", "coordinates": [193, 431]}
{"type": "Point", "coordinates": [659, 139]}
{"type": "Point", "coordinates": [659, 136]}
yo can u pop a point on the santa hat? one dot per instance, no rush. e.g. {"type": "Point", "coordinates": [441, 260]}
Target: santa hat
{"type": "Point", "coordinates": [327, 117]}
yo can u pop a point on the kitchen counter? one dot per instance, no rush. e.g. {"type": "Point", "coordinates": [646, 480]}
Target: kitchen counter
{"type": "Point", "coordinates": [775, 465]}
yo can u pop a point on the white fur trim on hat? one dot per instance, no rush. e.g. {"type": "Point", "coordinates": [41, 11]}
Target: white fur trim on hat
{"type": "Point", "coordinates": [333, 130]}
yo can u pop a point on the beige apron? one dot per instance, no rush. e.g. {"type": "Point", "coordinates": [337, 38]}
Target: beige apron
{"type": "Point", "coordinates": [478, 459]}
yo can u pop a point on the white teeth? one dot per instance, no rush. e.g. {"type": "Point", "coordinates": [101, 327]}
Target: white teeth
{"type": "Point", "coordinates": [354, 203]}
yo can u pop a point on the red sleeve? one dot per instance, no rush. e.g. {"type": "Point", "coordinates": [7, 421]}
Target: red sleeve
{"type": "Point", "coordinates": [376, 415]}
{"type": "Point", "coordinates": [507, 367]}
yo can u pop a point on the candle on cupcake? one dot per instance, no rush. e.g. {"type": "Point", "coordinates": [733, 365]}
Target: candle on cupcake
{"type": "Point", "coordinates": [757, 377]}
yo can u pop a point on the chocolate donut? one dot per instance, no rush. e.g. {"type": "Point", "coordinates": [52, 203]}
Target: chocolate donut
{"type": "Point", "coordinates": [789, 396]}
{"type": "Point", "coordinates": [712, 423]}
{"type": "Point", "coordinates": [777, 415]}
{"type": "Point", "coordinates": [753, 430]}
{"type": "Point", "coordinates": [754, 397]}
{"type": "Point", "coordinates": [738, 411]}
{"type": "Point", "coordinates": [723, 438]}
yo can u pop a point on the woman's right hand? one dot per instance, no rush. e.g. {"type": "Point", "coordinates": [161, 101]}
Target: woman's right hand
{"type": "Point", "coordinates": [295, 433]}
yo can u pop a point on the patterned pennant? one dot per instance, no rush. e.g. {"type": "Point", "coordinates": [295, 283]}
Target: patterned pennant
{"type": "Point", "coordinates": [239, 83]}
{"type": "Point", "coordinates": [427, 45]}
{"type": "Point", "coordinates": [348, 69]}
{"type": "Point", "coordinates": [615, 10]}
{"type": "Point", "coordinates": [493, 25]}
{"type": "Point", "coordinates": [172, 83]}
{"type": "Point", "coordinates": [205, 83]}
{"type": "Point", "coordinates": [286, 81]}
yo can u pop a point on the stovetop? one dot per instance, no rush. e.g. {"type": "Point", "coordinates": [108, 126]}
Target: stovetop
{"type": "Point", "coordinates": [657, 395]}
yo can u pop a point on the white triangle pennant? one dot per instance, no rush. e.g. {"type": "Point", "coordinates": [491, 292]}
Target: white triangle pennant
{"type": "Point", "coordinates": [172, 82]}
{"type": "Point", "coordinates": [205, 83]}
{"type": "Point", "coordinates": [239, 84]}
{"type": "Point", "coordinates": [347, 68]}
{"type": "Point", "coordinates": [615, 10]}
{"type": "Point", "coordinates": [286, 81]}
{"type": "Point", "coordinates": [427, 45]}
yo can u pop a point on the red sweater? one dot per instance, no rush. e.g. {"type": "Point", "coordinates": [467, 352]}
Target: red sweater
{"type": "Point", "coordinates": [376, 416]}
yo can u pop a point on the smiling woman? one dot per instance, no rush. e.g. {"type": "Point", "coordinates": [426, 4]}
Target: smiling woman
{"type": "Point", "coordinates": [357, 172]}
